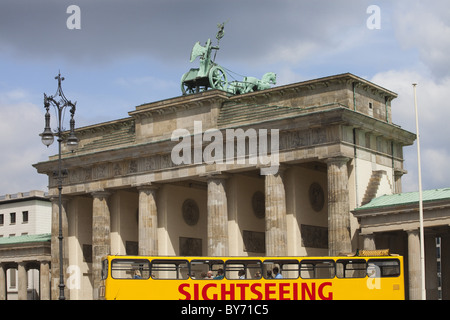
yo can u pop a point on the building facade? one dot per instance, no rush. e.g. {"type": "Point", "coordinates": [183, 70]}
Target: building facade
{"type": "Point", "coordinates": [275, 172]}
{"type": "Point", "coordinates": [25, 226]}
{"type": "Point", "coordinates": [392, 221]}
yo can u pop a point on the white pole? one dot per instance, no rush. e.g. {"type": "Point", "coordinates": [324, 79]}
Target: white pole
{"type": "Point", "coordinates": [422, 238]}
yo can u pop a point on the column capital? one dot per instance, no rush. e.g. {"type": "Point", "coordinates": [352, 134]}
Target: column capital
{"type": "Point", "coordinates": [281, 169]}
{"type": "Point", "coordinates": [55, 199]}
{"type": "Point", "coordinates": [399, 172]}
{"type": "Point", "coordinates": [412, 231]}
{"type": "Point", "coordinates": [337, 160]}
{"type": "Point", "coordinates": [101, 194]}
{"type": "Point", "coordinates": [148, 187]}
{"type": "Point", "coordinates": [219, 175]}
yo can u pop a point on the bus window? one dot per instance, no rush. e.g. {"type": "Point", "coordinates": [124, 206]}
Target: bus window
{"type": "Point", "coordinates": [130, 269]}
{"type": "Point", "coordinates": [379, 268]}
{"type": "Point", "coordinates": [170, 269]}
{"type": "Point", "coordinates": [206, 269]}
{"type": "Point", "coordinates": [243, 269]}
{"type": "Point", "coordinates": [287, 269]}
{"type": "Point", "coordinates": [351, 268]}
{"type": "Point", "coordinates": [317, 269]}
{"type": "Point", "coordinates": [104, 269]}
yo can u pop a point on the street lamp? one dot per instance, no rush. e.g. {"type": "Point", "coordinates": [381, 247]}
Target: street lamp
{"type": "Point", "coordinates": [60, 103]}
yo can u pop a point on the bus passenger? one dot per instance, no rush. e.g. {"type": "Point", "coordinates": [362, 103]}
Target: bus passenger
{"type": "Point", "coordinates": [137, 274]}
{"type": "Point", "coordinates": [209, 275]}
{"type": "Point", "coordinates": [269, 275]}
{"type": "Point", "coordinates": [219, 275]}
{"type": "Point", "coordinates": [241, 274]}
{"type": "Point", "coordinates": [277, 273]}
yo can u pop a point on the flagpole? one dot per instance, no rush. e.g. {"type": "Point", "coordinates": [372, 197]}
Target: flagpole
{"type": "Point", "coordinates": [422, 238]}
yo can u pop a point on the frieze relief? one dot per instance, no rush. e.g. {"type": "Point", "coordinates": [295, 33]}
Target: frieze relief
{"type": "Point", "coordinates": [304, 138]}
{"type": "Point", "coordinates": [100, 171]}
{"type": "Point", "coordinates": [294, 139]}
{"type": "Point", "coordinates": [118, 169]}
{"type": "Point", "coordinates": [132, 166]}
{"type": "Point", "coordinates": [123, 168]}
{"type": "Point", "coordinates": [289, 140]}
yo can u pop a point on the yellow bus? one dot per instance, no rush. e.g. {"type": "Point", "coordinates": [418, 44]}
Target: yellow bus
{"type": "Point", "coordinates": [252, 278]}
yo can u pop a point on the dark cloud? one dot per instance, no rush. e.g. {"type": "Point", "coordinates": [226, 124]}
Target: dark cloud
{"type": "Point", "coordinates": [166, 30]}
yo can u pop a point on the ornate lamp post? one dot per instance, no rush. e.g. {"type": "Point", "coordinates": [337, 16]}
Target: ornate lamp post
{"type": "Point", "coordinates": [60, 103]}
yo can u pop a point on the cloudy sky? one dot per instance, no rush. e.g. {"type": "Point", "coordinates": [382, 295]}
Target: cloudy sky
{"type": "Point", "coordinates": [127, 53]}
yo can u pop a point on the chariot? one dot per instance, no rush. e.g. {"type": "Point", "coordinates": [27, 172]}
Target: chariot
{"type": "Point", "coordinates": [211, 75]}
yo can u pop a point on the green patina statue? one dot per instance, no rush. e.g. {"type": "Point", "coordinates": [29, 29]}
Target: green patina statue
{"type": "Point", "coordinates": [211, 75]}
{"type": "Point", "coordinates": [250, 84]}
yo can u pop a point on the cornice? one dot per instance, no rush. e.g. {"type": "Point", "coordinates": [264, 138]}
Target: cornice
{"type": "Point", "coordinates": [105, 126]}
{"type": "Point", "coordinates": [345, 78]}
{"type": "Point", "coordinates": [171, 105]}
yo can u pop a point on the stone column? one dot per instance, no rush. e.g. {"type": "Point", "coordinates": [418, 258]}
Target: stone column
{"type": "Point", "coordinates": [276, 228]}
{"type": "Point", "coordinates": [369, 242]}
{"type": "Point", "coordinates": [339, 241]}
{"type": "Point", "coordinates": [431, 272]}
{"type": "Point", "coordinates": [2, 281]}
{"type": "Point", "coordinates": [217, 216]}
{"type": "Point", "coordinates": [101, 238]}
{"type": "Point", "coordinates": [415, 285]}
{"type": "Point", "coordinates": [148, 221]}
{"type": "Point", "coordinates": [44, 279]}
{"type": "Point", "coordinates": [22, 281]}
{"type": "Point", "coordinates": [55, 246]}
{"type": "Point", "coordinates": [445, 266]}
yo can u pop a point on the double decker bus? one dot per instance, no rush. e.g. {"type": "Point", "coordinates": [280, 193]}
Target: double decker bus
{"type": "Point", "coordinates": [252, 278]}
